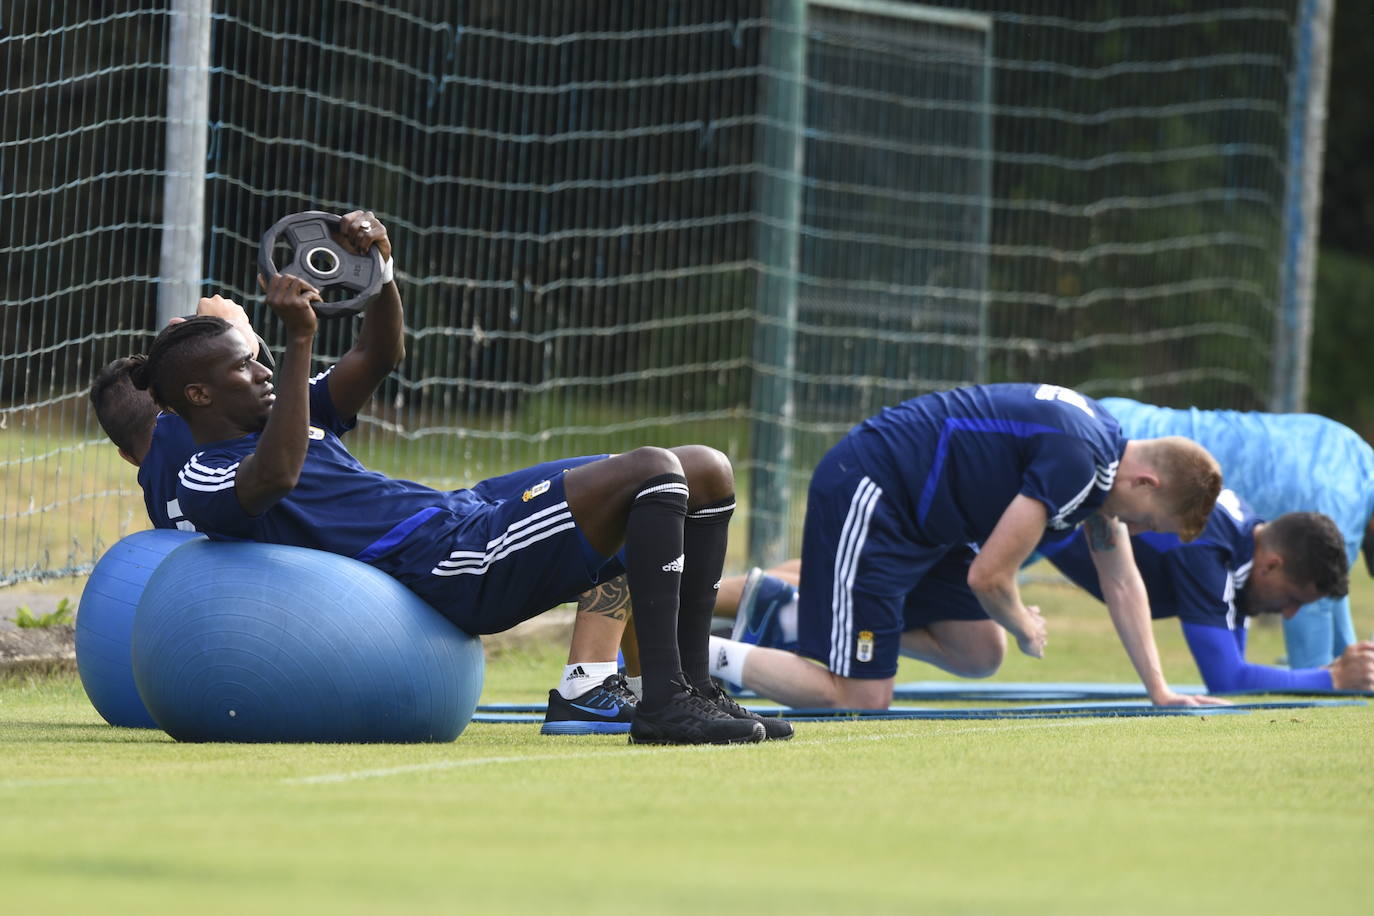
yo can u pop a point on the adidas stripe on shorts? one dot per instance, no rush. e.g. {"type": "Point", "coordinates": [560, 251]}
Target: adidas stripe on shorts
{"type": "Point", "coordinates": [516, 555]}
{"type": "Point", "coordinates": [864, 579]}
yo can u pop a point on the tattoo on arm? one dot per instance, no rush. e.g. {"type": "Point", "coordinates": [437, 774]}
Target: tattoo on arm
{"type": "Point", "coordinates": [609, 599]}
{"type": "Point", "coordinates": [1101, 533]}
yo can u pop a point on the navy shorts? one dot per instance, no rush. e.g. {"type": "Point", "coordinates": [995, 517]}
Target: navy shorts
{"type": "Point", "coordinates": [507, 551]}
{"type": "Point", "coordinates": [866, 578]}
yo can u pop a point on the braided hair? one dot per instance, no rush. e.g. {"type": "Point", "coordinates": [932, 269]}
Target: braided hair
{"type": "Point", "coordinates": [175, 359]}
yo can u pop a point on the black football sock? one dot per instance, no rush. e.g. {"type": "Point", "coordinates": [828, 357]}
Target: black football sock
{"type": "Point", "coordinates": [704, 538]}
{"type": "Point", "coordinates": [653, 564]}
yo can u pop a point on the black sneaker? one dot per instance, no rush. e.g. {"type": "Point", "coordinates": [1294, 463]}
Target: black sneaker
{"type": "Point", "coordinates": [690, 718]}
{"type": "Point", "coordinates": [607, 709]}
{"type": "Point", "coordinates": [774, 728]}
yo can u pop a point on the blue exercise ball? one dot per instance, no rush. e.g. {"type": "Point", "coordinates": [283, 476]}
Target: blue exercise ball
{"type": "Point", "coordinates": [260, 642]}
{"type": "Point", "coordinates": [105, 623]}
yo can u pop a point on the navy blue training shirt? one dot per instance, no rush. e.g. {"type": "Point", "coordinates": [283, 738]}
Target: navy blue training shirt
{"type": "Point", "coordinates": [338, 505]}
{"type": "Point", "coordinates": [1200, 583]}
{"type": "Point", "coordinates": [958, 458]}
{"type": "Point", "coordinates": [171, 446]}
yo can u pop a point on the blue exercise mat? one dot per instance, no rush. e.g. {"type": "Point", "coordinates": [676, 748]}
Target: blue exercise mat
{"type": "Point", "coordinates": [522, 712]}
{"type": "Point", "coordinates": [1010, 691]}
{"type": "Point", "coordinates": [1049, 692]}
{"type": "Point", "coordinates": [1026, 691]}
{"type": "Point", "coordinates": [1129, 708]}
{"type": "Point", "coordinates": [491, 717]}
{"type": "Point", "coordinates": [1009, 712]}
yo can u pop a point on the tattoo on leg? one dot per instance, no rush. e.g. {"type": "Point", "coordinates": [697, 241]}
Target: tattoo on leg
{"type": "Point", "coordinates": [609, 599]}
{"type": "Point", "coordinates": [1101, 533]}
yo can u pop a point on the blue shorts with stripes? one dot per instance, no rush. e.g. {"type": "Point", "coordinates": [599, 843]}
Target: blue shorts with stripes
{"type": "Point", "coordinates": [866, 578]}
{"type": "Point", "coordinates": [506, 550]}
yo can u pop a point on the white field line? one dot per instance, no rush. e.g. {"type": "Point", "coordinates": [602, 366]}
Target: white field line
{"type": "Point", "coordinates": [440, 765]}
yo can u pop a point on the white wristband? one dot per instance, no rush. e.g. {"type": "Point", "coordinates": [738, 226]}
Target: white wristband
{"type": "Point", "coordinates": [388, 272]}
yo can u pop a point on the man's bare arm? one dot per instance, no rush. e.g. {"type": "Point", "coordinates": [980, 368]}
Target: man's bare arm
{"type": "Point", "coordinates": [1128, 603]}
{"type": "Point", "coordinates": [271, 472]}
{"type": "Point", "coordinates": [380, 344]}
{"type": "Point", "coordinates": [992, 575]}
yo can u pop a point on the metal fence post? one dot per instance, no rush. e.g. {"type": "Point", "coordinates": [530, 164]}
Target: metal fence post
{"type": "Point", "coordinates": [183, 196]}
{"type": "Point", "coordinates": [1302, 205]}
{"type": "Point", "coordinates": [779, 197]}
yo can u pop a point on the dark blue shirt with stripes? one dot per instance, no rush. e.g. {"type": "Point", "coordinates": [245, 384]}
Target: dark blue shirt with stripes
{"type": "Point", "coordinates": [956, 459]}
{"type": "Point", "coordinates": [338, 505]}
{"type": "Point", "coordinates": [1197, 581]}
{"type": "Point", "coordinates": [1202, 583]}
{"type": "Point", "coordinates": [171, 446]}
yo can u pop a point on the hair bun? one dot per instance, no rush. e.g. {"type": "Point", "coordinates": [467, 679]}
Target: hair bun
{"type": "Point", "coordinates": [138, 371]}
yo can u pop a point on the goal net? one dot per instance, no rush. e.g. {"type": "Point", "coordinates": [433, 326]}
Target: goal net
{"type": "Point", "coordinates": [748, 224]}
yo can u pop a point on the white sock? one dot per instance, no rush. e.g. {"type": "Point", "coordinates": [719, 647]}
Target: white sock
{"type": "Point", "coordinates": [636, 684]}
{"type": "Point", "coordinates": [787, 620]}
{"type": "Point", "coordinates": [727, 659]}
{"type": "Point", "coordinates": [580, 677]}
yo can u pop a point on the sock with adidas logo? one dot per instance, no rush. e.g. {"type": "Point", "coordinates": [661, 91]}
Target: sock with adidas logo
{"type": "Point", "coordinates": [727, 659]}
{"type": "Point", "coordinates": [704, 537]}
{"type": "Point", "coordinates": [653, 565]}
{"type": "Point", "coordinates": [580, 677]}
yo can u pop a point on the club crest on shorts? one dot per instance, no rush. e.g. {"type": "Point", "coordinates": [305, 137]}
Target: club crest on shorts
{"type": "Point", "coordinates": [863, 646]}
{"type": "Point", "coordinates": [315, 433]}
{"type": "Point", "coordinates": [536, 490]}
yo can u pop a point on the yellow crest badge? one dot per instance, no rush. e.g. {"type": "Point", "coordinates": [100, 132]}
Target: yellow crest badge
{"type": "Point", "coordinates": [863, 646]}
{"type": "Point", "coordinates": [536, 490]}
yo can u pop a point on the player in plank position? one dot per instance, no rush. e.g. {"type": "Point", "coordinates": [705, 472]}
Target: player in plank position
{"type": "Point", "coordinates": [918, 520]}
{"type": "Point", "coordinates": [1240, 567]}
{"type": "Point", "coordinates": [1284, 463]}
{"type": "Point", "coordinates": [270, 467]}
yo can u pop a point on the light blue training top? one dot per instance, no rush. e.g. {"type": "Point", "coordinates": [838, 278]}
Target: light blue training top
{"type": "Point", "coordinates": [1277, 462]}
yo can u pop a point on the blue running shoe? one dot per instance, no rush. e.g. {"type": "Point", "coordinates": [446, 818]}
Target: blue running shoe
{"type": "Point", "coordinates": [756, 620]}
{"type": "Point", "coordinates": [607, 709]}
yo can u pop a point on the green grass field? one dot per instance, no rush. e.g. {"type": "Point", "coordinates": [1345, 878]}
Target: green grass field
{"type": "Point", "coordinates": [1268, 812]}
